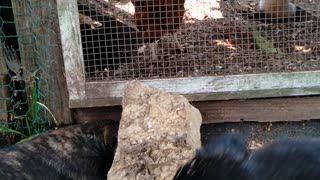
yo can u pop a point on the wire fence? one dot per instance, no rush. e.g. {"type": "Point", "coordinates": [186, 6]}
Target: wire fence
{"type": "Point", "coordinates": [191, 38]}
{"type": "Point", "coordinates": [149, 39]}
{"type": "Point", "coordinates": [25, 78]}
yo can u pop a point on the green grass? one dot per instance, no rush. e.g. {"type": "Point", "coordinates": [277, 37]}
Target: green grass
{"type": "Point", "coordinates": [32, 119]}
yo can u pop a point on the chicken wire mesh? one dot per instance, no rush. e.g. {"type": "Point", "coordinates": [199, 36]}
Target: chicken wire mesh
{"type": "Point", "coordinates": [25, 79]}
{"type": "Point", "coordinates": [189, 38]}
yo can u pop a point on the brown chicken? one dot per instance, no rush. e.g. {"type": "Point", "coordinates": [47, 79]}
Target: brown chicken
{"type": "Point", "coordinates": [278, 8]}
{"type": "Point", "coordinates": [284, 10]}
{"type": "Point", "coordinates": [155, 18]}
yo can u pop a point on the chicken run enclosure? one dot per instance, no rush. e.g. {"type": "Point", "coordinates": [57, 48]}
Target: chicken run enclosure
{"type": "Point", "coordinates": [203, 49]}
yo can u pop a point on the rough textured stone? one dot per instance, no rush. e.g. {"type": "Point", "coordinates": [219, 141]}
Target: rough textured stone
{"type": "Point", "coordinates": [158, 132]}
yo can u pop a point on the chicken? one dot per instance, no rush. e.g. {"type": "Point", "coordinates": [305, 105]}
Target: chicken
{"type": "Point", "coordinates": [278, 8]}
{"type": "Point", "coordinates": [283, 11]}
{"type": "Point", "coordinates": [155, 18]}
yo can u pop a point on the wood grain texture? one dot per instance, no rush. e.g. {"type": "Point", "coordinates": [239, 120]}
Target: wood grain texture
{"type": "Point", "coordinates": [4, 88]}
{"type": "Point", "coordinates": [39, 44]}
{"type": "Point", "coordinates": [259, 110]}
{"type": "Point", "coordinates": [211, 87]}
{"type": "Point", "coordinates": [82, 115]}
{"type": "Point", "coordinates": [72, 49]}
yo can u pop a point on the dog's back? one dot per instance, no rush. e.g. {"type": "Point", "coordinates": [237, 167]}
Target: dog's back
{"type": "Point", "coordinates": [83, 151]}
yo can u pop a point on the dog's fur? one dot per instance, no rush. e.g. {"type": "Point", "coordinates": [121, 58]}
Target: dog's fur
{"type": "Point", "coordinates": [83, 151]}
{"type": "Point", "coordinates": [220, 159]}
{"type": "Point", "coordinates": [286, 159]}
{"type": "Point", "coordinates": [226, 158]}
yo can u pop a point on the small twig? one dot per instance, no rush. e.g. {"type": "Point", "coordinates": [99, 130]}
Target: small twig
{"type": "Point", "coordinates": [54, 119]}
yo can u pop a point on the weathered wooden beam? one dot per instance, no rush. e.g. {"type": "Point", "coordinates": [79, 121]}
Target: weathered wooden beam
{"type": "Point", "coordinates": [260, 110]}
{"type": "Point", "coordinates": [71, 48]}
{"type": "Point", "coordinates": [82, 115]}
{"type": "Point", "coordinates": [24, 17]}
{"type": "Point", "coordinates": [104, 8]}
{"type": "Point", "coordinates": [257, 110]}
{"type": "Point", "coordinates": [4, 88]}
{"type": "Point", "coordinates": [212, 87]}
{"type": "Point", "coordinates": [39, 45]}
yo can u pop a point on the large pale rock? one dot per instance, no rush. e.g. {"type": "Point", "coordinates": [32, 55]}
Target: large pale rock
{"type": "Point", "coordinates": [158, 132]}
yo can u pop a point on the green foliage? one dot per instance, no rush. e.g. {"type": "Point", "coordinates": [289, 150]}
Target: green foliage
{"type": "Point", "coordinates": [7, 130]}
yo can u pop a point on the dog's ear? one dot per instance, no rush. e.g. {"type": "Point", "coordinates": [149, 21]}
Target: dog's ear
{"type": "Point", "coordinates": [110, 137]}
{"type": "Point", "coordinates": [106, 135]}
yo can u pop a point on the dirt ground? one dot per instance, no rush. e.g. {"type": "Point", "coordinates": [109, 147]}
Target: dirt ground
{"type": "Point", "coordinates": [258, 134]}
{"type": "Point", "coordinates": [220, 38]}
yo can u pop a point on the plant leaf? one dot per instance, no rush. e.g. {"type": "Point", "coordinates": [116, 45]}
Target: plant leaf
{"type": "Point", "coordinates": [7, 130]}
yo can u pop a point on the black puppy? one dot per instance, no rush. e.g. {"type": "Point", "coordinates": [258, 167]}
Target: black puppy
{"type": "Point", "coordinates": [226, 158]}
{"type": "Point", "coordinates": [83, 151]}
{"type": "Point", "coordinates": [286, 159]}
{"type": "Point", "coordinates": [220, 159]}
